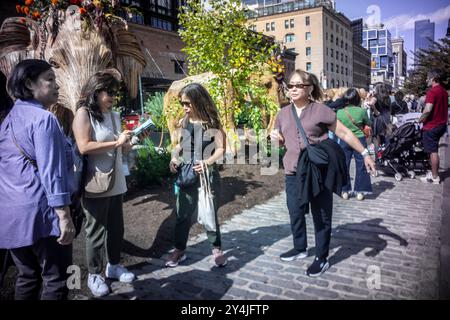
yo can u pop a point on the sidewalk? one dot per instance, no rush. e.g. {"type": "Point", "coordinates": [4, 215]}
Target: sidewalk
{"type": "Point", "coordinates": [385, 247]}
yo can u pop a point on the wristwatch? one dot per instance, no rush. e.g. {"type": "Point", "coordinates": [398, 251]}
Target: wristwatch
{"type": "Point", "coordinates": [365, 153]}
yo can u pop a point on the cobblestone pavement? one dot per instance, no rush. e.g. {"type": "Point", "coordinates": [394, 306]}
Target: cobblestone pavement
{"type": "Point", "coordinates": [385, 247]}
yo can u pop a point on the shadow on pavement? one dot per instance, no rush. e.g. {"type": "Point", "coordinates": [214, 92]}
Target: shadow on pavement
{"type": "Point", "coordinates": [352, 238]}
{"type": "Point", "coordinates": [241, 247]}
{"type": "Point", "coordinates": [378, 188]}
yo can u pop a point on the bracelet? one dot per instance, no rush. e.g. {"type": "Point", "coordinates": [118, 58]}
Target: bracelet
{"type": "Point", "coordinates": [365, 153]}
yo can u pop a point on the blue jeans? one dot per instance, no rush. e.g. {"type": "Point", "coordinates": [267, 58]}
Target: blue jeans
{"type": "Point", "coordinates": [362, 178]}
{"type": "Point", "coordinates": [321, 208]}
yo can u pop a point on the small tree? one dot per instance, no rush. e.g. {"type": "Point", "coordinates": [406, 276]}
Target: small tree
{"type": "Point", "coordinates": [218, 40]}
{"type": "Point", "coordinates": [436, 57]}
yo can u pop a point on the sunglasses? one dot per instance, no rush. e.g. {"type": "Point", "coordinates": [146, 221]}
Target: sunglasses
{"type": "Point", "coordinates": [298, 86]}
{"type": "Point", "coordinates": [185, 104]}
{"type": "Point", "coordinates": [111, 92]}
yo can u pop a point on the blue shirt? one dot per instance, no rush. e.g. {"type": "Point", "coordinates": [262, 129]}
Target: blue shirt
{"type": "Point", "coordinates": [28, 194]}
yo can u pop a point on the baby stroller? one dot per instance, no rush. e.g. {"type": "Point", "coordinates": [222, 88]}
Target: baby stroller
{"type": "Point", "coordinates": [403, 152]}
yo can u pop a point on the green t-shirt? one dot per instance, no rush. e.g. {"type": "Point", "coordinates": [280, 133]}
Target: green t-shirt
{"type": "Point", "coordinates": [359, 116]}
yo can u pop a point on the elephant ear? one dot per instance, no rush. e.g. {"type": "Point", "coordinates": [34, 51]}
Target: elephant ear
{"type": "Point", "coordinates": [76, 53]}
{"type": "Point", "coordinates": [19, 40]}
{"type": "Point", "coordinates": [129, 57]}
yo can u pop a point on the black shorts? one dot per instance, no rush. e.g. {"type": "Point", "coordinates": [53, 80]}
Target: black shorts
{"type": "Point", "coordinates": [430, 138]}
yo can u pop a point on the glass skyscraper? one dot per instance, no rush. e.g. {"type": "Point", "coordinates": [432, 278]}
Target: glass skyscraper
{"type": "Point", "coordinates": [423, 34]}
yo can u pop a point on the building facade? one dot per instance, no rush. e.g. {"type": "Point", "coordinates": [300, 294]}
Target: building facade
{"type": "Point", "coordinates": [400, 60]}
{"type": "Point", "coordinates": [361, 67]}
{"type": "Point", "coordinates": [322, 37]}
{"type": "Point", "coordinates": [423, 34]}
{"type": "Point", "coordinates": [377, 39]}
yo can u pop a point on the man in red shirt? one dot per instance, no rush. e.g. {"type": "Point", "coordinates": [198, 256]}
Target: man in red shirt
{"type": "Point", "coordinates": [434, 119]}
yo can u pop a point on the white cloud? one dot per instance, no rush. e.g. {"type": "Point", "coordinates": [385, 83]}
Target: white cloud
{"type": "Point", "coordinates": [405, 22]}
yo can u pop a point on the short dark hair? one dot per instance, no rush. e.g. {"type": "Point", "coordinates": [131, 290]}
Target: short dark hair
{"type": "Point", "coordinates": [29, 69]}
{"type": "Point", "coordinates": [351, 97]}
{"type": "Point", "coordinates": [435, 75]}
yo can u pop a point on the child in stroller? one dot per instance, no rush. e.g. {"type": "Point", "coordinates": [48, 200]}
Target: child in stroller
{"type": "Point", "coordinates": [403, 152]}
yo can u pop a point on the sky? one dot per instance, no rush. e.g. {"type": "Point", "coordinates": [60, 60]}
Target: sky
{"type": "Point", "coordinates": [399, 16]}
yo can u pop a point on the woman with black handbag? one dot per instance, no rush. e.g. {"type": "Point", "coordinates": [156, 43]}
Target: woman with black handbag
{"type": "Point", "coordinates": [98, 135]}
{"type": "Point", "coordinates": [201, 141]}
{"type": "Point", "coordinates": [35, 185]}
{"type": "Point", "coordinates": [307, 119]}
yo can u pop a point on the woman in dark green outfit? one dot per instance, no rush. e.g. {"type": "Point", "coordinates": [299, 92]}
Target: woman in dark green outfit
{"type": "Point", "coordinates": [200, 123]}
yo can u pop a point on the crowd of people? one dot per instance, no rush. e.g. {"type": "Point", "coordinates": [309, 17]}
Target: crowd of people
{"type": "Point", "coordinates": [48, 155]}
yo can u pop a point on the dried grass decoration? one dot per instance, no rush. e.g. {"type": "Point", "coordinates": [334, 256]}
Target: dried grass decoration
{"type": "Point", "coordinates": [77, 43]}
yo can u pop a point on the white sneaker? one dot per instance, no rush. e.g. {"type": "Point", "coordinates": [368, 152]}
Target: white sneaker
{"type": "Point", "coordinates": [116, 271]}
{"type": "Point", "coordinates": [97, 285]}
{"type": "Point", "coordinates": [345, 195]}
{"type": "Point", "coordinates": [360, 196]}
{"type": "Point", "coordinates": [428, 178]}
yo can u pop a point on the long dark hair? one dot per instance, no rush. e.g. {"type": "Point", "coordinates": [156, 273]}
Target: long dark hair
{"type": "Point", "coordinates": [202, 105]}
{"type": "Point", "coordinates": [29, 69]}
{"type": "Point", "coordinates": [100, 81]}
{"type": "Point", "coordinates": [382, 94]}
{"type": "Point", "coordinates": [351, 97]}
{"type": "Point", "coordinates": [5, 101]}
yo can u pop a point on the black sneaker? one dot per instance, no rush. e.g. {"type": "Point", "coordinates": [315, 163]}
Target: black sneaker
{"type": "Point", "coordinates": [293, 254]}
{"type": "Point", "coordinates": [317, 268]}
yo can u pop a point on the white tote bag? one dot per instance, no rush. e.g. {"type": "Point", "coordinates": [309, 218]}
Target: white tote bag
{"type": "Point", "coordinates": [206, 214]}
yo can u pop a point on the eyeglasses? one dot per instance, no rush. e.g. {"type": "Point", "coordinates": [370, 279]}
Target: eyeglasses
{"type": "Point", "coordinates": [298, 86]}
{"type": "Point", "coordinates": [185, 104]}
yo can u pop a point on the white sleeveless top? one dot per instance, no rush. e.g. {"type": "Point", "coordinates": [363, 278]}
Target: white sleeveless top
{"type": "Point", "coordinates": [103, 132]}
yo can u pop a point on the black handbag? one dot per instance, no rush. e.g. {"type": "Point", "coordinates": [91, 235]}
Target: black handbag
{"type": "Point", "coordinates": [316, 155]}
{"type": "Point", "coordinates": [186, 176]}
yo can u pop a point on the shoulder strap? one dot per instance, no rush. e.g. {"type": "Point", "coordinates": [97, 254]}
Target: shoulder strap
{"type": "Point", "coordinates": [115, 130]}
{"type": "Point", "coordinates": [299, 125]}
{"type": "Point", "coordinates": [351, 118]}
{"type": "Point", "coordinates": [31, 160]}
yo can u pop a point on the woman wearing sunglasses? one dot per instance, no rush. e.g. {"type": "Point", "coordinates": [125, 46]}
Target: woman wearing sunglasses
{"type": "Point", "coordinates": [316, 119]}
{"type": "Point", "coordinates": [201, 120]}
{"type": "Point", "coordinates": [97, 131]}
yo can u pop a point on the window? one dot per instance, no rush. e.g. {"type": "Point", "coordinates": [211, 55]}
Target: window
{"type": "Point", "coordinates": [381, 50]}
{"type": "Point", "coordinates": [308, 35]}
{"type": "Point", "coordinates": [342, 44]}
{"type": "Point", "coordinates": [290, 37]}
{"type": "Point", "coordinates": [372, 43]}
{"type": "Point", "coordinates": [383, 61]}
{"type": "Point", "coordinates": [327, 66]}
{"type": "Point", "coordinates": [382, 42]}
{"type": "Point", "coordinates": [337, 55]}
{"type": "Point", "coordinates": [332, 83]}
{"type": "Point", "coordinates": [267, 26]}
{"type": "Point", "coordinates": [326, 36]}
{"type": "Point", "coordinates": [346, 71]}
{"type": "Point", "coordinates": [337, 41]}
{"type": "Point", "coordinates": [135, 17]}
{"type": "Point", "coordinates": [337, 68]}
{"type": "Point", "coordinates": [337, 83]}
{"type": "Point", "coordinates": [337, 28]}
{"type": "Point", "coordinates": [161, 24]}
{"type": "Point", "coordinates": [308, 51]}
{"type": "Point", "coordinates": [382, 34]}
{"type": "Point", "coordinates": [346, 35]}
{"type": "Point", "coordinates": [346, 60]}
{"type": "Point", "coordinates": [286, 24]}
{"type": "Point", "coordinates": [332, 52]}
{"type": "Point", "coordinates": [364, 35]}
{"type": "Point", "coordinates": [272, 26]}
{"type": "Point", "coordinates": [342, 57]}
{"type": "Point", "coordinates": [308, 66]}
{"type": "Point", "coordinates": [372, 34]}
{"type": "Point", "coordinates": [327, 51]}
{"type": "Point", "coordinates": [332, 38]}
{"type": "Point", "coordinates": [292, 23]}
{"type": "Point", "coordinates": [178, 66]}
{"type": "Point", "coordinates": [332, 67]}
{"type": "Point", "coordinates": [346, 47]}
{"type": "Point", "coordinates": [342, 70]}
{"type": "Point", "coordinates": [307, 21]}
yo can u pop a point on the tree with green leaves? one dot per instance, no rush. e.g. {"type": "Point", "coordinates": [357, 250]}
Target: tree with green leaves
{"type": "Point", "coordinates": [437, 57]}
{"type": "Point", "coordinates": [219, 41]}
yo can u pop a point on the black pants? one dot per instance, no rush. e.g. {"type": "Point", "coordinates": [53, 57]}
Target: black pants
{"type": "Point", "coordinates": [321, 207]}
{"type": "Point", "coordinates": [42, 266]}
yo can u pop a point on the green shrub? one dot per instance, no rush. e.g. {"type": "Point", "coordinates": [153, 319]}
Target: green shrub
{"type": "Point", "coordinates": [154, 107]}
{"type": "Point", "coordinates": [152, 166]}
